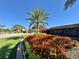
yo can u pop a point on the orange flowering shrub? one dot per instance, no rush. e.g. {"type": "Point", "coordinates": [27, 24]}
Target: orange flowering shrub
{"type": "Point", "coordinates": [50, 45]}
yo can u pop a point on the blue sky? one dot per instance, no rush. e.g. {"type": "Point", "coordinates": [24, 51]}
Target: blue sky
{"type": "Point", "coordinates": [14, 12]}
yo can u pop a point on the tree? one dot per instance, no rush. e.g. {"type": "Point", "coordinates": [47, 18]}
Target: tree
{"type": "Point", "coordinates": [69, 3]}
{"type": "Point", "coordinates": [17, 27]}
{"type": "Point", "coordinates": [38, 18]}
{"type": "Point", "coordinates": [2, 28]}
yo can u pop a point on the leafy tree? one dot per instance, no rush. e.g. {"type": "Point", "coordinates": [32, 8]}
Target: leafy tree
{"type": "Point", "coordinates": [38, 18]}
{"type": "Point", "coordinates": [17, 27]}
{"type": "Point", "coordinates": [2, 28]}
{"type": "Point", "coordinates": [69, 3]}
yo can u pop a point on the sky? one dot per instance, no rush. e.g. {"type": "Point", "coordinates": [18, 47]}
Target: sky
{"type": "Point", "coordinates": [15, 12]}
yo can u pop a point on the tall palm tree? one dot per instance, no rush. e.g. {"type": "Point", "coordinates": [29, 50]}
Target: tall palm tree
{"type": "Point", "coordinates": [69, 3]}
{"type": "Point", "coordinates": [38, 18]}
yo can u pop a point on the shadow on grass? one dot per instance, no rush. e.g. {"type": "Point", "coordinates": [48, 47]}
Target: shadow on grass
{"type": "Point", "coordinates": [8, 53]}
{"type": "Point", "coordinates": [4, 51]}
{"type": "Point", "coordinates": [12, 54]}
{"type": "Point", "coordinates": [14, 38]}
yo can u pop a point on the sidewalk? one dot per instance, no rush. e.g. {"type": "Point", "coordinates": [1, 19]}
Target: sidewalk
{"type": "Point", "coordinates": [14, 35]}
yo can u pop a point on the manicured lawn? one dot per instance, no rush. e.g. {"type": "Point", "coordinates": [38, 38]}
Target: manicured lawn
{"type": "Point", "coordinates": [8, 48]}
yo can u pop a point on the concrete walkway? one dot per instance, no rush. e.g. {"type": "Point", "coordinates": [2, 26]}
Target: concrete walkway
{"type": "Point", "coordinates": [20, 54]}
{"type": "Point", "coordinates": [14, 35]}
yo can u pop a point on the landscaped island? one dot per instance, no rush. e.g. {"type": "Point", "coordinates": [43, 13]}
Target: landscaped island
{"type": "Point", "coordinates": [45, 46]}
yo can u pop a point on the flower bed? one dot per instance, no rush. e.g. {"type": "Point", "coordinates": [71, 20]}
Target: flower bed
{"type": "Point", "coordinates": [50, 46]}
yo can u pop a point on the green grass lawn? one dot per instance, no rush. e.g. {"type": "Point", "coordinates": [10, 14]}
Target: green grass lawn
{"type": "Point", "coordinates": [8, 48]}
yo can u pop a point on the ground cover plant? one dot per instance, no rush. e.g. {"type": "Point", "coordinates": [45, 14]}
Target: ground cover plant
{"type": "Point", "coordinates": [50, 46]}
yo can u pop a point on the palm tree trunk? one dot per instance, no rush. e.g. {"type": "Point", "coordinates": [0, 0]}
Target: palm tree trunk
{"type": "Point", "coordinates": [37, 27]}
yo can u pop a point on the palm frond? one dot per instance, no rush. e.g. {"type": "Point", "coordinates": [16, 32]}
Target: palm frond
{"type": "Point", "coordinates": [38, 18]}
{"type": "Point", "coordinates": [29, 19]}
{"type": "Point", "coordinates": [44, 23]}
{"type": "Point", "coordinates": [31, 23]}
{"type": "Point", "coordinates": [28, 13]}
{"type": "Point", "coordinates": [69, 3]}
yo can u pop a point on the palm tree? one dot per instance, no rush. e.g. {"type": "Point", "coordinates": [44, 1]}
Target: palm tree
{"type": "Point", "coordinates": [38, 18]}
{"type": "Point", "coordinates": [69, 3]}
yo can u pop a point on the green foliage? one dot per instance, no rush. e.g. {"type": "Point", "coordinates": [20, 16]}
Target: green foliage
{"type": "Point", "coordinates": [38, 18]}
{"type": "Point", "coordinates": [17, 28]}
{"type": "Point", "coordinates": [30, 52]}
{"type": "Point", "coordinates": [2, 26]}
